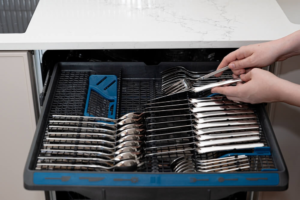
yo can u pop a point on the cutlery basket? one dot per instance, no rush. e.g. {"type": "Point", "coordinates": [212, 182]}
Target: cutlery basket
{"type": "Point", "coordinates": [138, 83]}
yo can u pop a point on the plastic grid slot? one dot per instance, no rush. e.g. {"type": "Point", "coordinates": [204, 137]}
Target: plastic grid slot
{"type": "Point", "coordinates": [70, 93]}
{"type": "Point", "coordinates": [98, 106]}
{"type": "Point", "coordinates": [136, 92]}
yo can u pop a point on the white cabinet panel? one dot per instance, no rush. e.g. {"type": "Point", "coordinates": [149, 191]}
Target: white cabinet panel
{"type": "Point", "coordinates": [17, 123]}
{"type": "Point", "coordinates": [286, 123]}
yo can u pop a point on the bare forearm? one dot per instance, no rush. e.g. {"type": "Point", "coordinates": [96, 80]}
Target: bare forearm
{"type": "Point", "coordinates": [289, 92]}
{"type": "Point", "coordinates": [288, 46]}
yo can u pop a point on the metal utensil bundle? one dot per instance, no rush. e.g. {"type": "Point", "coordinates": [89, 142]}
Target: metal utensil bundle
{"type": "Point", "coordinates": [84, 143]}
{"type": "Point", "coordinates": [186, 164]}
{"type": "Point", "coordinates": [204, 126]}
{"type": "Point", "coordinates": [179, 79]}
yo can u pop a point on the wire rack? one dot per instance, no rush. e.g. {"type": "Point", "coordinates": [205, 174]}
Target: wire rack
{"type": "Point", "coordinates": [162, 163]}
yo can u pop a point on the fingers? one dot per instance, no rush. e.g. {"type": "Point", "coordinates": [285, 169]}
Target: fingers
{"type": "Point", "coordinates": [246, 77]}
{"type": "Point", "coordinates": [226, 60]}
{"type": "Point", "coordinates": [239, 71]}
{"type": "Point", "coordinates": [235, 76]}
{"type": "Point", "coordinates": [234, 60]}
{"type": "Point", "coordinates": [241, 64]}
{"type": "Point", "coordinates": [248, 69]}
{"type": "Point", "coordinates": [227, 90]}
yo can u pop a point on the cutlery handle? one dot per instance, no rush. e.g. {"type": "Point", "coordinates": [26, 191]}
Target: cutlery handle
{"type": "Point", "coordinates": [235, 169]}
{"type": "Point", "coordinates": [83, 123]}
{"type": "Point", "coordinates": [79, 146]}
{"type": "Point", "coordinates": [226, 168]}
{"type": "Point", "coordinates": [215, 108]}
{"type": "Point", "coordinates": [73, 165]}
{"type": "Point", "coordinates": [83, 118]}
{"type": "Point", "coordinates": [212, 85]}
{"type": "Point", "coordinates": [84, 129]}
{"type": "Point", "coordinates": [213, 103]}
{"type": "Point", "coordinates": [226, 123]}
{"type": "Point", "coordinates": [208, 149]}
{"type": "Point", "coordinates": [224, 112]}
{"type": "Point", "coordinates": [229, 128]}
{"type": "Point", "coordinates": [214, 73]}
{"type": "Point", "coordinates": [162, 152]}
{"type": "Point", "coordinates": [79, 140]}
{"type": "Point", "coordinates": [226, 135]}
{"type": "Point", "coordinates": [78, 153]}
{"type": "Point", "coordinates": [220, 160]}
{"type": "Point", "coordinates": [108, 162]}
{"type": "Point", "coordinates": [229, 163]}
{"type": "Point", "coordinates": [224, 141]}
{"type": "Point", "coordinates": [229, 147]}
{"type": "Point", "coordinates": [225, 118]}
{"type": "Point", "coordinates": [85, 135]}
{"type": "Point", "coordinates": [207, 99]}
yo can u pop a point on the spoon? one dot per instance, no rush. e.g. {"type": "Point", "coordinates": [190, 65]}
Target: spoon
{"type": "Point", "coordinates": [120, 157]}
{"type": "Point", "coordinates": [126, 165]}
{"type": "Point", "coordinates": [125, 119]}
{"type": "Point", "coordinates": [94, 147]}
{"type": "Point", "coordinates": [91, 153]}
{"type": "Point", "coordinates": [131, 131]}
{"type": "Point", "coordinates": [94, 141]}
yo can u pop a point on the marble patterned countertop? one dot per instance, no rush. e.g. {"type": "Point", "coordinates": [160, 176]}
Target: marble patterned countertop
{"type": "Point", "coordinates": [150, 24]}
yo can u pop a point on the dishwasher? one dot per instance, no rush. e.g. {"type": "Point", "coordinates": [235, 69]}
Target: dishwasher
{"type": "Point", "coordinates": [136, 88]}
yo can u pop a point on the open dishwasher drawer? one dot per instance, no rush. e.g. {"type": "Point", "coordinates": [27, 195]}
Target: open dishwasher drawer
{"type": "Point", "coordinates": [138, 83]}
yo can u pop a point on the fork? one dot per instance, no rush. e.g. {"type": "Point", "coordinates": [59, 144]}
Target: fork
{"type": "Point", "coordinates": [170, 80]}
{"type": "Point", "coordinates": [185, 85]}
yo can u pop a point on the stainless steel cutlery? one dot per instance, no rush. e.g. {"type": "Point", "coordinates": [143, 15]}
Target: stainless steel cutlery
{"type": "Point", "coordinates": [186, 164]}
{"type": "Point", "coordinates": [91, 144]}
{"type": "Point", "coordinates": [205, 149]}
{"type": "Point", "coordinates": [125, 165]}
{"type": "Point", "coordinates": [179, 80]}
{"type": "Point", "coordinates": [173, 76]}
{"type": "Point", "coordinates": [199, 125]}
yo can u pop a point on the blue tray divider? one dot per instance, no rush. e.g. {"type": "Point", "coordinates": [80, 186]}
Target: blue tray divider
{"type": "Point", "coordinates": [107, 87]}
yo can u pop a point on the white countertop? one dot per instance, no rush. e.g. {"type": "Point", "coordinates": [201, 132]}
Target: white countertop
{"type": "Point", "coordinates": [142, 24]}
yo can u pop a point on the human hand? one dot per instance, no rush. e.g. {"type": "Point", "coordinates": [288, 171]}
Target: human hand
{"type": "Point", "coordinates": [257, 55]}
{"type": "Point", "coordinates": [261, 55]}
{"type": "Point", "coordinates": [261, 86]}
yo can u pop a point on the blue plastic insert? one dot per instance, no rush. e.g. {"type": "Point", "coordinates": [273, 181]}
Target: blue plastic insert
{"type": "Point", "coordinates": [106, 86]}
{"type": "Point", "coordinates": [214, 94]}
{"type": "Point", "coordinates": [258, 151]}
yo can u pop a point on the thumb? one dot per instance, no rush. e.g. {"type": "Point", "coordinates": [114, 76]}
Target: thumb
{"type": "Point", "coordinates": [226, 90]}
{"type": "Point", "coordinates": [241, 64]}
{"type": "Point", "coordinates": [246, 77]}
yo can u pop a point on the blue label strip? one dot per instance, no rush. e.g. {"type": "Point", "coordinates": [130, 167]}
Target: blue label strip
{"type": "Point", "coordinates": [155, 180]}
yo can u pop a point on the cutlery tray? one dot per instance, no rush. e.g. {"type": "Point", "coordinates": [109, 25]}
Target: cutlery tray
{"type": "Point", "coordinates": [138, 83]}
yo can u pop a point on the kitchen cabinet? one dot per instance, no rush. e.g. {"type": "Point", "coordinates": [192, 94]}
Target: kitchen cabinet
{"type": "Point", "coordinates": [17, 122]}
{"type": "Point", "coordinates": [285, 121]}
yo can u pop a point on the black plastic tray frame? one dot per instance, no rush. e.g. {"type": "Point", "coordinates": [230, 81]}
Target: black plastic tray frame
{"type": "Point", "coordinates": [136, 71]}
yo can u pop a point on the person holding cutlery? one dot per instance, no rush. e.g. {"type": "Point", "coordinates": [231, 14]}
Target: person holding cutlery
{"type": "Point", "coordinates": [261, 86]}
